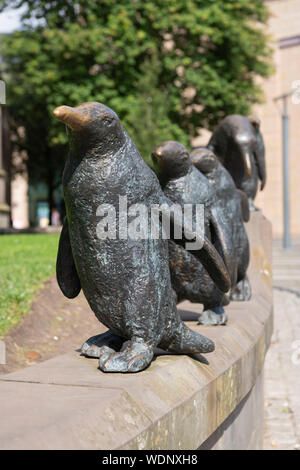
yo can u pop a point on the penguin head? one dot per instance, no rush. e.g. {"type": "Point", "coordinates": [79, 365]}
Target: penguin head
{"type": "Point", "coordinates": [255, 121]}
{"type": "Point", "coordinates": [234, 142]}
{"type": "Point", "coordinates": [93, 124]}
{"type": "Point", "coordinates": [204, 159]}
{"type": "Point", "coordinates": [172, 160]}
{"type": "Point", "coordinates": [244, 145]}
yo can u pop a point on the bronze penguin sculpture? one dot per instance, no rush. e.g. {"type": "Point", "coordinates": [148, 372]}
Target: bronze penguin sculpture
{"type": "Point", "coordinates": [125, 281]}
{"type": "Point", "coordinates": [184, 184]}
{"type": "Point", "coordinates": [232, 205]}
{"type": "Point", "coordinates": [238, 143]}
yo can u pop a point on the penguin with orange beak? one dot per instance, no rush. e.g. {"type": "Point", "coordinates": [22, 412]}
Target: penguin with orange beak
{"type": "Point", "coordinates": [238, 143]}
{"type": "Point", "coordinates": [126, 281]}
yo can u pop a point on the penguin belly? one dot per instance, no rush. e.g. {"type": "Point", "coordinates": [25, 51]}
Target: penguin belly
{"type": "Point", "coordinates": [126, 282]}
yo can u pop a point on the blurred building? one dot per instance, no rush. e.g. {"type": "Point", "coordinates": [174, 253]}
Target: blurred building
{"type": "Point", "coordinates": [39, 212]}
{"type": "Point", "coordinates": [284, 26]}
{"type": "Point", "coordinates": [19, 201]}
{"type": "Point", "coordinates": [29, 204]}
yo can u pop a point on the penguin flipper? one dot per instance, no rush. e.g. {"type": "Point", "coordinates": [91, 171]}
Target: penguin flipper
{"type": "Point", "coordinates": [260, 161]}
{"type": "Point", "coordinates": [207, 254]}
{"type": "Point", "coordinates": [66, 273]}
{"type": "Point", "coordinates": [260, 152]}
{"type": "Point", "coordinates": [244, 205]}
{"type": "Point", "coordinates": [224, 244]}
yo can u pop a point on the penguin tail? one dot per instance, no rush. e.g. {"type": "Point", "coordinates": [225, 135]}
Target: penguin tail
{"type": "Point", "coordinates": [187, 341]}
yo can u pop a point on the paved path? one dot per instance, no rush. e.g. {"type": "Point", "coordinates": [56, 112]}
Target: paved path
{"type": "Point", "coordinates": [282, 369]}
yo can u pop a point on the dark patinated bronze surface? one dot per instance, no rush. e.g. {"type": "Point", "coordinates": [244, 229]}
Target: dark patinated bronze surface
{"type": "Point", "coordinates": [184, 184]}
{"type": "Point", "coordinates": [238, 143]}
{"type": "Point", "coordinates": [232, 206]}
{"type": "Point", "coordinates": [126, 282]}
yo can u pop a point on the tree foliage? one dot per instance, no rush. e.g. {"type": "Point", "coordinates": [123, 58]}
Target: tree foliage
{"type": "Point", "coordinates": [167, 67]}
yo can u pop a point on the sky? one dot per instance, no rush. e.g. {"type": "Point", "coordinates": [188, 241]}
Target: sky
{"type": "Point", "coordinates": [9, 21]}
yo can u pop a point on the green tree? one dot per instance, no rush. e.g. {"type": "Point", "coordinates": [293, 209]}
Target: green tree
{"type": "Point", "coordinates": [167, 67]}
{"type": "Point", "coordinates": [147, 118]}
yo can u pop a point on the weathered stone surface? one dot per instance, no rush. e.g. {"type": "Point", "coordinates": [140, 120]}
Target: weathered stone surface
{"type": "Point", "coordinates": [243, 428]}
{"type": "Point", "coordinates": [63, 417]}
{"type": "Point", "coordinates": [177, 403]}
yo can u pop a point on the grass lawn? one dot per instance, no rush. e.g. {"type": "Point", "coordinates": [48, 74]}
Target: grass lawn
{"type": "Point", "coordinates": [26, 261]}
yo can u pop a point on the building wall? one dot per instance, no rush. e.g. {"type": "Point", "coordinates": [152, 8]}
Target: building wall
{"type": "Point", "coordinates": [284, 26]}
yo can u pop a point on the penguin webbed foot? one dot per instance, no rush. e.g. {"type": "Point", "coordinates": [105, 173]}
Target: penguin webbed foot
{"type": "Point", "coordinates": [99, 344]}
{"type": "Point", "coordinates": [242, 291]}
{"type": "Point", "coordinates": [213, 316]}
{"type": "Point", "coordinates": [134, 356]}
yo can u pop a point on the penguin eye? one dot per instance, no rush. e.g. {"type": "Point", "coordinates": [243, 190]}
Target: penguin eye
{"type": "Point", "coordinates": [108, 121]}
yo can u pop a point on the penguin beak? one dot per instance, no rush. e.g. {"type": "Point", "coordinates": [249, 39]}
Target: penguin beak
{"type": "Point", "coordinates": [71, 117]}
{"type": "Point", "coordinates": [247, 163]}
{"type": "Point", "coordinates": [156, 158]}
{"type": "Point", "coordinates": [157, 153]}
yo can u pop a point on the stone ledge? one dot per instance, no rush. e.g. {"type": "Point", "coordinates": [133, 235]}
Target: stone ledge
{"type": "Point", "coordinates": [177, 403]}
